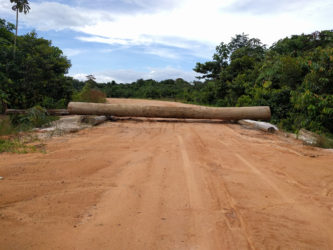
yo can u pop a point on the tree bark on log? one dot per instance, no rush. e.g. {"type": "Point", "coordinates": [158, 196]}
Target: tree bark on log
{"type": "Point", "coordinates": [195, 112]}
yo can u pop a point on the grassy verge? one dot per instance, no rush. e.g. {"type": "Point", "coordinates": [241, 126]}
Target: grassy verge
{"type": "Point", "coordinates": [325, 142]}
{"type": "Point", "coordinates": [6, 128]}
{"type": "Point", "coordinates": [15, 135]}
{"type": "Point", "coordinates": [15, 146]}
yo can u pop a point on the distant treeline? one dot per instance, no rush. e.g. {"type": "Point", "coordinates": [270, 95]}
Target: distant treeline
{"type": "Point", "coordinates": [294, 77]}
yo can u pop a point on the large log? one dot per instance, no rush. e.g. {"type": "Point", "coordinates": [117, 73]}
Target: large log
{"type": "Point", "coordinates": [192, 112]}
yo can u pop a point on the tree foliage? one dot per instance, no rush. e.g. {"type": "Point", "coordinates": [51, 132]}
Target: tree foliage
{"type": "Point", "coordinates": [294, 77]}
{"type": "Point", "coordinates": [37, 73]}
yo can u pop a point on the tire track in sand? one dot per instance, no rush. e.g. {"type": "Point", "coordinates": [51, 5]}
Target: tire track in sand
{"type": "Point", "coordinates": [195, 201]}
{"type": "Point", "coordinates": [230, 211]}
{"type": "Point", "coordinates": [199, 207]}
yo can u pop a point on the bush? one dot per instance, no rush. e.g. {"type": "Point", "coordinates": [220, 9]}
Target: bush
{"type": "Point", "coordinates": [51, 103]}
{"type": "Point", "coordinates": [87, 94]}
{"type": "Point", "coordinates": [35, 117]}
{"type": "Point", "coordinates": [243, 101]}
{"type": "Point", "coordinates": [15, 146]}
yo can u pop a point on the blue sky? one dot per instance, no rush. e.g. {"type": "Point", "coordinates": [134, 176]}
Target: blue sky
{"type": "Point", "coordinates": [124, 40]}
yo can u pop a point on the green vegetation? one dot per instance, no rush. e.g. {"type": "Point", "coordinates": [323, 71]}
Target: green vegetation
{"type": "Point", "coordinates": [36, 75]}
{"type": "Point", "coordinates": [10, 139]}
{"type": "Point", "coordinates": [11, 128]}
{"type": "Point", "coordinates": [325, 142]}
{"type": "Point", "coordinates": [36, 117]}
{"type": "Point", "coordinates": [293, 77]}
{"type": "Point", "coordinates": [15, 146]}
{"type": "Point", "coordinates": [6, 127]}
{"type": "Point", "coordinates": [148, 89]}
{"type": "Point", "coordinates": [90, 93]}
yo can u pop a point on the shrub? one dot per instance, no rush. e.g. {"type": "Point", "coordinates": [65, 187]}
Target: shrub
{"type": "Point", "coordinates": [35, 117]}
{"type": "Point", "coordinates": [15, 146]}
{"type": "Point", "coordinates": [87, 94]}
{"type": "Point", "coordinates": [51, 103]}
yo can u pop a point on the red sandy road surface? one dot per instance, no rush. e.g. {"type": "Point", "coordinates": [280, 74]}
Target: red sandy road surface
{"type": "Point", "coordinates": [168, 185]}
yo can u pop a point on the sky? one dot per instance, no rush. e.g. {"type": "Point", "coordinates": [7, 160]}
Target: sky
{"type": "Point", "coordinates": [125, 40]}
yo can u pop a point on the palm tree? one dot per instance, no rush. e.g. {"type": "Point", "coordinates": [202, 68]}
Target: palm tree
{"type": "Point", "coordinates": [20, 6]}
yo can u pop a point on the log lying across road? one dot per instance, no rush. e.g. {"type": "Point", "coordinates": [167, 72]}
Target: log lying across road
{"type": "Point", "coordinates": [190, 112]}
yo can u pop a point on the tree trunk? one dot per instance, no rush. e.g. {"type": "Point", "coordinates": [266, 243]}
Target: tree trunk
{"type": "Point", "coordinates": [16, 32]}
{"type": "Point", "coordinates": [195, 112]}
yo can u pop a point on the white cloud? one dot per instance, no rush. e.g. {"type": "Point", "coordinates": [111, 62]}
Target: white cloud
{"type": "Point", "coordinates": [272, 6]}
{"type": "Point", "coordinates": [106, 40]}
{"type": "Point", "coordinates": [80, 76]}
{"type": "Point", "coordinates": [128, 76]}
{"type": "Point", "coordinates": [187, 47]}
{"type": "Point", "coordinates": [127, 6]}
{"type": "Point", "coordinates": [72, 52]}
{"type": "Point", "coordinates": [5, 5]}
{"type": "Point", "coordinates": [162, 52]}
{"type": "Point", "coordinates": [209, 22]}
{"type": "Point", "coordinates": [57, 16]}
{"type": "Point", "coordinates": [169, 73]}
{"type": "Point", "coordinates": [193, 22]}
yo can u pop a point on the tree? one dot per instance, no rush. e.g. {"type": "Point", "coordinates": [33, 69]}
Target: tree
{"type": "Point", "coordinates": [20, 6]}
{"type": "Point", "coordinates": [6, 43]}
{"type": "Point", "coordinates": [91, 81]}
{"type": "Point", "coordinates": [240, 47]}
{"type": "Point", "coordinates": [212, 69]}
{"type": "Point", "coordinates": [36, 76]}
{"type": "Point", "coordinates": [91, 78]}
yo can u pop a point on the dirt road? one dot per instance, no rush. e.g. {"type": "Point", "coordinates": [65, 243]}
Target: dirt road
{"type": "Point", "coordinates": [168, 185]}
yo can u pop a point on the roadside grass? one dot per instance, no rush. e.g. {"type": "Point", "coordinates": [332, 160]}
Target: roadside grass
{"type": "Point", "coordinates": [325, 142]}
{"type": "Point", "coordinates": [15, 136]}
{"type": "Point", "coordinates": [14, 140]}
{"type": "Point", "coordinates": [6, 127]}
{"type": "Point", "coordinates": [16, 146]}
{"type": "Point", "coordinates": [35, 117]}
